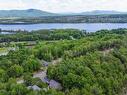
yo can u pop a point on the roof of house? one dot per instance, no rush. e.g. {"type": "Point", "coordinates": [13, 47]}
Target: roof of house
{"type": "Point", "coordinates": [34, 87]}
{"type": "Point", "coordinates": [55, 85]}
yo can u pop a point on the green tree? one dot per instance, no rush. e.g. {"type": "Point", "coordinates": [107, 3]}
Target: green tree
{"type": "Point", "coordinates": [15, 71]}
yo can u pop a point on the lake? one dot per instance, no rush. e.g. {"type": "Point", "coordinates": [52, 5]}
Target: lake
{"type": "Point", "coordinates": [89, 27]}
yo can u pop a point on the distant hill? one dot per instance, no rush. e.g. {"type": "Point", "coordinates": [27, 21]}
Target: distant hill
{"type": "Point", "coordinates": [40, 13]}
{"type": "Point", "coordinates": [97, 12]}
{"type": "Point", "coordinates": [25, 13]}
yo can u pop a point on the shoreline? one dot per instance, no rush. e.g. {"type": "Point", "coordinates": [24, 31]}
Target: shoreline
{"type": "Point", "coordinates": [63, 23]}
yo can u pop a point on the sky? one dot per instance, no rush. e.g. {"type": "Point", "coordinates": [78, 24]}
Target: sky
{"type": "Point", "coordinates": [65, 6]}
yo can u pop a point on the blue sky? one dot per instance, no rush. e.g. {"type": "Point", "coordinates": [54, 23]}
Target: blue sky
{"type": "Point", "coordinates": [60, 6]}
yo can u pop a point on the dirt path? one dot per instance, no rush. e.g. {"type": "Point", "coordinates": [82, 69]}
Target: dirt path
{"type": "Point", "coordinates": [106, 51]}
{"type": "Point", "coordinates": [42, 74]}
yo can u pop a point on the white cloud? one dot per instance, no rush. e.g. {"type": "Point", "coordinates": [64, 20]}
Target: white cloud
{"type": "Point", "coordinates": [9, 4]}
{"type": "Point", "coordinates": [65, 5]}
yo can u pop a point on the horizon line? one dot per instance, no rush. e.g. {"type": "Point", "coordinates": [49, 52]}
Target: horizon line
{"type": "Point", "coordinates": [60, 12]}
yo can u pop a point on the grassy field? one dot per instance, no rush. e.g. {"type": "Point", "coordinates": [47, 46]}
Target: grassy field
{"type": "Point", "coordinates": [3, 51]}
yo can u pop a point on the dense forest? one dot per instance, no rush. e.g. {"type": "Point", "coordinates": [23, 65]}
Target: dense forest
{"type": "Point", "coordinates": [53, 34]}
{"type": "Point", "coordinates": [64, 62]}
{"type": "Point", "coordinates": [113, 18]}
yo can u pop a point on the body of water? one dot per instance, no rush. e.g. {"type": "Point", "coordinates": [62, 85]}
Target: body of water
{"type": "Point", "coordinates": [89, 27]}
{"type": "Point", "coordinates": [6, 33]}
